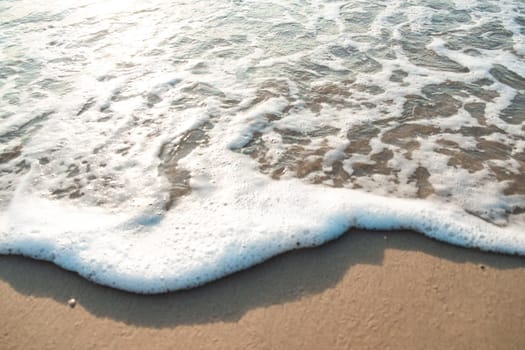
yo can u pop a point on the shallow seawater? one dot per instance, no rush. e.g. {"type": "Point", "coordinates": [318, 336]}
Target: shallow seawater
{"type": "Point", "coordinates": [158, 145]}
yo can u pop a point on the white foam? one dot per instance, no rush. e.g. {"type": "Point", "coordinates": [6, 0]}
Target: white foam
{"type": "Point", "coordinates": [232, 232]}
{"type": "Point", "coordinates": [126, 85]}
{"type": "Point", "coordinates": [226, 226]}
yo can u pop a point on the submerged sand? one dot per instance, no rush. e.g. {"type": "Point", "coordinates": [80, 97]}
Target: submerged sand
{"type": "Point", "coordinates": [396, 290]}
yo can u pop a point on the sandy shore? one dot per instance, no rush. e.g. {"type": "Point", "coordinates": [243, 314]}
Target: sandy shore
{"type": "Point", "coordinates": [365, 290]}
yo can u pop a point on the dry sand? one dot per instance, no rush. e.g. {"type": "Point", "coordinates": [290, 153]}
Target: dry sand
{"type": "Point", "coordinates": [361, 291]}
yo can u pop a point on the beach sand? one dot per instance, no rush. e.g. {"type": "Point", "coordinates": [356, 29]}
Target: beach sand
{"type": "Point", "coordinates": [376, 290]}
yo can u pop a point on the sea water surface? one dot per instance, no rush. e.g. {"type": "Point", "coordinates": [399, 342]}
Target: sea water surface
{"type": "Point", "coordinates": [157, 145]}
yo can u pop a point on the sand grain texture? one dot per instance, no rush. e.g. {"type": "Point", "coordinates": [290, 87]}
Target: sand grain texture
{"type": "Point", "coordinates": [360, 292]}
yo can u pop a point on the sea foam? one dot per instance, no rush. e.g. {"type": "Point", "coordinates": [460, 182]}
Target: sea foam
{"type": "Point", "coordinates": [160, 145]}
{"type": "Point", "coordinates": [224, 227]}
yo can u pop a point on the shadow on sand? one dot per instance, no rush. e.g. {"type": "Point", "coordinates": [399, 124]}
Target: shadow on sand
{"type": "Point", "coordinates": [284, 278]}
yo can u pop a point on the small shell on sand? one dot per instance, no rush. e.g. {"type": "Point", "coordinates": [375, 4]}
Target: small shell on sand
{"type": "Point", "coordinates": [72, 302]}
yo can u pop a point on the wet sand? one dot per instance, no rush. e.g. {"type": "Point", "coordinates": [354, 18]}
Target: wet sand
{"type": "Point", "coordinates": [366, 290]}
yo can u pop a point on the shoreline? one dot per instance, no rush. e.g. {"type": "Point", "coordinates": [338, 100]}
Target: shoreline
{"type": "Point", "coordinates": [364, 289]}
